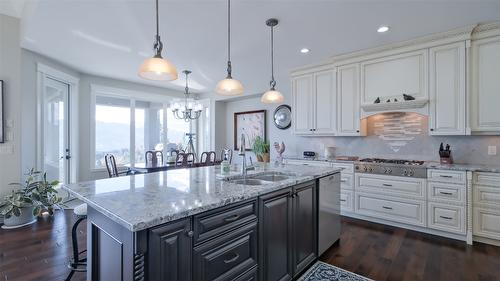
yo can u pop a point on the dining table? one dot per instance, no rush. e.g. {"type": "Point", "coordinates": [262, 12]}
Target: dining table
{"type": "Point", "coordinates": [142, 168]}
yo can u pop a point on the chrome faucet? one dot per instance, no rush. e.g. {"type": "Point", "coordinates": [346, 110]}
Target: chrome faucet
{"type": "Point", "coordinates": [243, 154]}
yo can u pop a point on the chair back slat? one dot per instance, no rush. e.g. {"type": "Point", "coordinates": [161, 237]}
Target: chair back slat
{"type": "Point", "coordinates": [111, 165]}
{"type": "Point", "coordinates": [154, 158]}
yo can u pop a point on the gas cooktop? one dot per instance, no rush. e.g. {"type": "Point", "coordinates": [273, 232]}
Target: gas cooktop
{"type": "Point", "coordinates": [392, 167]}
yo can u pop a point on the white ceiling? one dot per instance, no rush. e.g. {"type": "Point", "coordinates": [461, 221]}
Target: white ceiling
{"type": "Point", "coordinates": [111, 37]}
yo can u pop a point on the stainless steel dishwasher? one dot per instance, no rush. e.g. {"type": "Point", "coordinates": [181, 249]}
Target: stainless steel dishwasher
{"type": "Point", "coordinates": [329, 212]}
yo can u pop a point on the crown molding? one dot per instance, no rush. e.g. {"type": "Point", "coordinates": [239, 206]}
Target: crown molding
{"type": "Point", "coordinates": [486, 30]}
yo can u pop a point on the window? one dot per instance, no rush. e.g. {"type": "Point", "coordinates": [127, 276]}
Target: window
{"type": "Point", "coordinates": [112, 130]}
{"type": "Point", "coordinates": [128, 127]}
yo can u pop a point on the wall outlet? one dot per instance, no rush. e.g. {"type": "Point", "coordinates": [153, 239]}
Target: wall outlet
{"type": "Point", "coordinates": [492, 150]}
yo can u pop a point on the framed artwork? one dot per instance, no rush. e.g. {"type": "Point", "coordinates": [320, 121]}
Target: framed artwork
{"type": "Point", "coordinates": [2, 137]}
{"type": "Point", "coordinates": [251, 124]}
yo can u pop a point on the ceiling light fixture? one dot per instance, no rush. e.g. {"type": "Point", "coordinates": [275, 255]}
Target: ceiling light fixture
{"type": "Point", "coordinates": [229, 86]}
{"type": "Point", "coordinates": [272, 96]}
{"type": "Point", "coordinates": [383, 29]}
{"type": "Point", "coordinates": [157, 68]}
{"type": "Point", "coordinates": [191, 109]}
{"type": "Point", "coordinates": [304, 50]}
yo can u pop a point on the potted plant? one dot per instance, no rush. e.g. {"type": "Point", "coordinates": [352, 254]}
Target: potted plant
{"type": "Point", "coordinates": [261, 149]}
{"type": "Point", "coordinates": [31, 199]}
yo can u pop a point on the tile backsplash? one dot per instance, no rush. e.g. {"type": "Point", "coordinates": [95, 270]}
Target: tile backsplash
{"type": "Point", "coordinates": [403, 135]}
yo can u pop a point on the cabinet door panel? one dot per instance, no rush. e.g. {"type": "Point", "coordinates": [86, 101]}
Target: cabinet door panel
{"type": "Point", "coordinates": [305, 226]}
{"type": "Point", "coordinates": [170, 249]}
{"type": "Point", "coordinates": [302, 104]}
{"type": "Point", "coordinates": [390, 77]}
{"type": "Point", "coordinates": [275, 241]}
{"type": "Point", "coordinates": [348, 100]}
{"type": "Point", "coordinates": [325, 103]}
{"type": "Point", "coordinates": [485, 85]}
{"type": "Point", "coordinates": [447, 90]}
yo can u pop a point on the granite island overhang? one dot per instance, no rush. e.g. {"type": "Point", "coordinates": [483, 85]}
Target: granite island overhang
{"type": "Point", "coordinates": [125, 213]}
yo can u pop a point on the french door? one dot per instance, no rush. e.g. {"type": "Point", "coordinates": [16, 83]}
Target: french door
{"type": "Point", "coordinates": [56, 146]}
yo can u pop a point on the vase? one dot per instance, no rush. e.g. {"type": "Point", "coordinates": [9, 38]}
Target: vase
{"type": "Point", "coordinates": [259, 158]}
{"type": "Point", "coordinates": [26, 218]}
{"type": "Point", "coordinates": [266, 157]}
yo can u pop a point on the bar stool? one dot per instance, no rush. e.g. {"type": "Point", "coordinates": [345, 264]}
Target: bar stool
{"type": "Point", "coordinates": [77, 264]}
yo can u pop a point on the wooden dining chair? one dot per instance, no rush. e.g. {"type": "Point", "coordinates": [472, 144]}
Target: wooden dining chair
{"type": "Point", "coordinates": [111, 166]}
{"type": "Point", "coordinates": [154, 158]}
{"type": "Point", "coordinates": [228, 152]}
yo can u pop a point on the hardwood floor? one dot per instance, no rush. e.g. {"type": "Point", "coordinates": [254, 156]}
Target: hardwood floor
{"type": "Point", "coordinates": [383, 253]}
{"type": "Point", "coordinates": [41, 252]}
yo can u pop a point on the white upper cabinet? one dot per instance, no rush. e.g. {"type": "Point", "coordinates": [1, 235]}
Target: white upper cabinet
{"type": "Point", "coordinates": [390, 77]}
{"type": "Point", "coordinates": [348, 110]}
{"type": "Point", "coordinates": [485, 90]}
{"type": "Point", "coordinates": [302, 104]}
{"type": "Point", "coordinates": [314, 105]}
{"type": "Point", "coordinates": [447, 90]}
{"type": "Point", "coordinates": [325, 103]}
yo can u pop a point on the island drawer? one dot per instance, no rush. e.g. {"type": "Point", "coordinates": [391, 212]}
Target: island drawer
{"type": "Point", "coordinates": [226, 257]}
{"type": "Point", "coordinates": [346, 167]}
{"type": "Point", "coordinates": [222, 220]}
{"type": "Point", "coordinates": [447, 176]}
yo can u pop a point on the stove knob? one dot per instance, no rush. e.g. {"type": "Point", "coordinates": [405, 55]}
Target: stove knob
{"type": "Point", "coordinates": [357, 167]}
{"type": "Point", "coordinates": [365, 169]}
{"type": "Point", "coordinates": [389, 171]}
{"type": "Point", "coordinates": [405, 172]}
{"type": "Point", "coordinates": [370, 169]}
{"type": "Point", "coordinates": [411, 173]}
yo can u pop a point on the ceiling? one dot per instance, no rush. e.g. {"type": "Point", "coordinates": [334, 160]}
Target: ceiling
{"type": "Point", "coordinates": [111, 37]}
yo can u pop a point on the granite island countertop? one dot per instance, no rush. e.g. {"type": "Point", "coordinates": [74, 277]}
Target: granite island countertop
{"type": "Point", "coordinates": [142, 201]}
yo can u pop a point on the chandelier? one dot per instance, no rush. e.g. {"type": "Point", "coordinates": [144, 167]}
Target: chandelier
{"type": "Point", "coordinates": [189, 109]}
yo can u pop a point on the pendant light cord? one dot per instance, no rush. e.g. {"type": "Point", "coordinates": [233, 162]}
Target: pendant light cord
{"type": "Point", "coordinates": [229, 68]}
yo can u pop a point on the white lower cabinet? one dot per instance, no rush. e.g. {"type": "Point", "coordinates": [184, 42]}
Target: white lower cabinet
{"type": "Point", "coordinates": [346, 200]}
{"type": "Point", "coordinates": [389, 208]}
{"type": "Point", "coordinates": [486, 205]}
{"type": "Point", "coordinates": [487, 223]}
{"type": "Point", "coordinates": [446, 217]}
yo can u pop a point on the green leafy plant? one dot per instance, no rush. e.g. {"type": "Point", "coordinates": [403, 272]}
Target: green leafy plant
{"type": "Point", "coordinates": [260, 146]}
{"type": "Point", "coordinates": [36, 191]}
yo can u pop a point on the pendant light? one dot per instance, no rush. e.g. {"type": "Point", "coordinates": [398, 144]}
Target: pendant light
{"type": "Point", "coordinates": [272, 96]}
{"type": "Point", "coordinates": [188, 110]}
{"type": "Point", "coordinates": [157, 68]}
{"type": "Point", "coordinates": [229, 86]}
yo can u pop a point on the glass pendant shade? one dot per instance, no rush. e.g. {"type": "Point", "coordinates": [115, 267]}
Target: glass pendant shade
{"type": "Point", "coordinates": [158, 69]}
{"type": "Point", "coordinates": [229, 87]}
{"type": "Point", "coordinates": [272, 96]}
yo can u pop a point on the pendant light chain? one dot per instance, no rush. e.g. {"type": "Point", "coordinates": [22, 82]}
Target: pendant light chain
{"type": "Point", "coordinates": [273, 82]}
{"type": "Point", "coordinates": [229, 68]}
{"type": "Point", "coordinates": [158, 46]}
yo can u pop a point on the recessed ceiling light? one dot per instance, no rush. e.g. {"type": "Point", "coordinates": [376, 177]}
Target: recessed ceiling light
{"type": "Point", "coordinates": [382, 29]}
{"type": "Point", "coordinates": [304, 50]}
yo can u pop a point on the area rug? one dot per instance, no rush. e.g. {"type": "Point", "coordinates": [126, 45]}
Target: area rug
{"type": "Point", "coordinates": [321, 271]}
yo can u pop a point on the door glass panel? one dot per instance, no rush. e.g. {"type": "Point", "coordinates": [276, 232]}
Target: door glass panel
{"type": "Point", "coordinates": [112, 130]}
{"type": "Point", "coordinates": [55, 130]}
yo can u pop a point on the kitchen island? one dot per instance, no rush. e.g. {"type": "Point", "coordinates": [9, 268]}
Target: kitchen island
{"type": "Point", "coordinates": [195, 224]}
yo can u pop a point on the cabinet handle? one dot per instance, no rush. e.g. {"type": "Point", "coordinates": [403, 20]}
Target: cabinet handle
{"type": "Point", "coordinates": [445, 176]}
{"type": "Point", "coordinates": [342, 200]}
{"type": "Point", "coordinates": [446, 218]}
{"type": "Point", "coordinates": [357, 131]}
{"type": "Point", "coordinates": [232, 218]}
{"type": "Point", "coordinates": [190, 233]}
{"type": "Point", "coordinates": [432, 130]}
{"type": "Point", "coordinates": [445, 193]}
{"type": "Point", "coordinates": [386, 184]}
{"type": "Point", "coordinates": [343, 180]}
{"type": "Point", "coordinates": [387, 208]}
{"type": "Point", "coordinates": [233, 259]}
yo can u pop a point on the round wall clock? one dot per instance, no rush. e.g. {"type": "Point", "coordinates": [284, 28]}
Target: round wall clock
{"type": "Point", "coordinates": [283, 117]}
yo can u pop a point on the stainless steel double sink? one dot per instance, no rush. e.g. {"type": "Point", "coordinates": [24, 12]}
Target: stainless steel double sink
{"type": "Point", "coordinates": [263, 178]}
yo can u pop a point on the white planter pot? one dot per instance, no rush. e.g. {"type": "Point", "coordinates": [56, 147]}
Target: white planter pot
{"type": "Point", "coordinates": [26, 218]}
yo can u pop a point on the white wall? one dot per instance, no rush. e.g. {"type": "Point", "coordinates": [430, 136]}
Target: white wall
{"type": "Point", "coordinates": [10, 72]}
